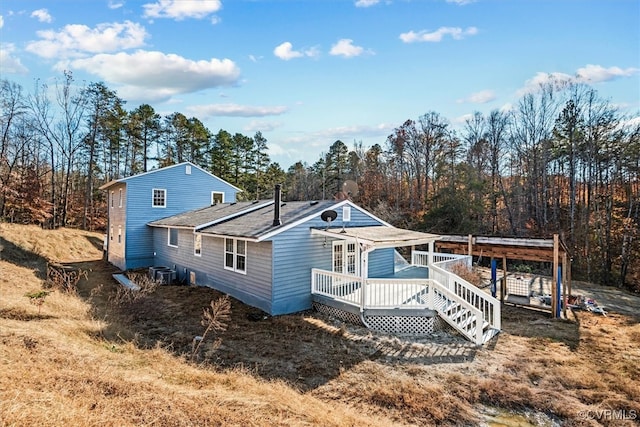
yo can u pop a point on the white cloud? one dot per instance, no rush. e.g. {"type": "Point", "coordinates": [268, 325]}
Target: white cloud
{"type": "Point", "coordinates": [597, 73]}
{"type": "Point", "coordinates": [1, 21]}
{"type": "Point", "coordinates": [181, 9]}
{"type": "Point", "coordinates": [9, 63]}
{"type": "Point", "coordinates": [155, 75]}
{"type": "Point", "coordinates": [481, 97]}
{"type": "Point", "coordinates": [588, 74]}
{"type": "Point", "coordinates": [285, 52]}
{"type": "Point", "coordinates": [460, 120]}
{"type": "Point", "coordinates": [461, 2]}
{"type": "Point", "coordinates": [346, 48]}
{"type": "Point", "coordinates": [366, 3]}
{"type": "Point", "coordinates": [42, 15]}
{"type": "Point", "coordinates": [456, 33]}
{"type": "Point", "coordinates": [235, 110]}
{"type": "Point", "coordinates": [261, 126]}
{"type": "Point", "coordinates": [115, 4]}
{"type": "Point", "coordinates": [75, 39]}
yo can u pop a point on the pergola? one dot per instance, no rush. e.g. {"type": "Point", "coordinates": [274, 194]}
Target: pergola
{"type": "Point", "coordinates": [545, 250]}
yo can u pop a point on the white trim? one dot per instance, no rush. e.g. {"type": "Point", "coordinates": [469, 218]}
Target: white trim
{"type": "Point", "coordinates": [344, 244]}
{"type": "Point", "coordinates": [214, 193]}
{"type": "Point", "coordinates": [317, 214]}
{"type": "Point", "coordinates": [235, 255]}
{"type": "Point", "coordinates": [231, 216]}
{"type": "Point", "coordinates": [153, 197]}
{"type": "Point", "coordinates": [197, 237]}
{"type": "Point", "coordinates": [169, 237]}
{"type": "Point", "coordinates": [193, 165]}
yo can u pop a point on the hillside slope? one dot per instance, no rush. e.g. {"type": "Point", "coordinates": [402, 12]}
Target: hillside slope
{"type": "Point", "coordinates": [81, 358]}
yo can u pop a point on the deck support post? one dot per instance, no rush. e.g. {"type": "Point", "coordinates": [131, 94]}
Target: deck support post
{"type": "Point", "coordinates": [503, 286]}
{"type": "Point", "coordinates": [430, 254]}
{"type": "Point", "coordinates": [554, 282]}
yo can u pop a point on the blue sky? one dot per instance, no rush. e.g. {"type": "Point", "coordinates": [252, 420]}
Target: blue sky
{"type": "Point", "coordinates": [309, 72]}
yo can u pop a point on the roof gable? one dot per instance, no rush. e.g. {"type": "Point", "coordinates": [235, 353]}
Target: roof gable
{"type": "Point", "coordinates": [253, 220]}
{"type": "Point", "coordinates": [165, 169]}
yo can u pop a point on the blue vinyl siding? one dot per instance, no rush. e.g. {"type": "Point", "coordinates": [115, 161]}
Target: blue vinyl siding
{"type": "Point", "coordinates": [381, 263]}
{"type": "Point", "coordinates": [296, 252]}
{"type": "Point", "coordinates": [184, 192]}
{"type": "Point", "coordinates": [252, 288]}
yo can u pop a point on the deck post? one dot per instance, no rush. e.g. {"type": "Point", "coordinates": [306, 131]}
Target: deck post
{"type": "Point", "coordinates": [554, 282]}
{"type": "Point", "coordinates": [364, 274]}
{"type": "Point", "coordinates": [503, 286]}
{"type": "Point", "coordinates": [430, 254]}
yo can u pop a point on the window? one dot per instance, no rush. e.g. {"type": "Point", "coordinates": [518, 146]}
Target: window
{"type": "Point", "coordinates": [345, 257]}
{"type": "Point", "coordinates": [173, 237]}
{"type": "Point", "coordinates": [235, 255]}
{"type": "Point", "coordinates": [187, 170]}
{"type": "Point", "coordinates": [217, 197]}
{"type": "Point", "coordinates": [120, 201]}
{"type": "Point", "coordinates": [111, 233]}
{"type": "Point", "coordinates": [197, 244]}
{"type": "Point", "coordinates": [159, 196]}
{"type": "Point", "coordinates": [346, 213]}
{"type": "Point", "coordinates": [113, 196]}
{"type": "Point", "coordinates": [119, 234]}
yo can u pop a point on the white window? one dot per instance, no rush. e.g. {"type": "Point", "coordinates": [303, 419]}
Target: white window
{"type": "Point", "coordinates": [187, 170]}
{"type": "Point", "coordinates": [119, 234]}
{"type": "Point", "coordinates": [197, 244]}
{"type": "Point", "coordinates": [120, 200]}
{"type": "Point", "coordinates": [159, 198]}
{"type": "Point", "coordinates": [235, 255]}
{"type": "Point", "coordinates": [173, 237]}
{"type": "Point", "coordinates": [217, 197]}
{"type": "Point", "coordinates": [111, 233]}
{"type": "Point", "coordinates": [346, 213]}
{"type": "Point", "coordinates": [113, 196]}
{"type": "Point", "coordinates": [345, 257]}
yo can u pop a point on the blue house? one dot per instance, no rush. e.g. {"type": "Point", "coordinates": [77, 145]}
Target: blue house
{"type": "Point", "coordinates": [284, 257]}
{"type": "Point", "coordinates": [138, 199]}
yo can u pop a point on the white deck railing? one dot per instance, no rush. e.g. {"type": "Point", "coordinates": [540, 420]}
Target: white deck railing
{"type": "Point", "coordinates": [442, 289]}
{"type": "Point", "coordinates": [440, 271]}
{"type": "Point", "coordinates": [340, 287]}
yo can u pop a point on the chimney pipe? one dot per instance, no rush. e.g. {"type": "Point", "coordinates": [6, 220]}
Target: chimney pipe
{"type": "Point", "coordinates": [276, 211]}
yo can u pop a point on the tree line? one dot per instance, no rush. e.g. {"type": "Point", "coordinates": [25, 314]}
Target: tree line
{"type": "Point", "coordinates": [562, 160]}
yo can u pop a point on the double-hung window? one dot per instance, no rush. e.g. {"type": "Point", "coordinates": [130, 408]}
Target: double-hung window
{"type": "Point", "coordinates": [197, 244]}
{"type": "Point", "coordinates": [159, 198]}
{"type": "Point", "coordinates": [235, 255]}
{"type": "Point", "coordinates": [173, 237]}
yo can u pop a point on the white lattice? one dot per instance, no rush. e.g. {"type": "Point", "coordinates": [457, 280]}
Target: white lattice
{"type": "Point", "coordinates": [414, 325]}
{"type": "Point", "coordinates": [337, 313]}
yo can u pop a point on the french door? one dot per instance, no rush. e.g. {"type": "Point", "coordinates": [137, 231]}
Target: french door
{"type": "Point", "coordinates": [346, 257]}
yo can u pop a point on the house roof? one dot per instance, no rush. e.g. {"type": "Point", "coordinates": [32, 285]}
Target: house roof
{"type": "Point", "coordinates": [249, 220]}
{"type": "Point", "coordinates": [121, 180]}
{"type": "Point", "coordinates": [254, 221]}
{"type": "Point", "coordinates": [379, 236]}
{"type": "Point", "coordinates": [209, 215]}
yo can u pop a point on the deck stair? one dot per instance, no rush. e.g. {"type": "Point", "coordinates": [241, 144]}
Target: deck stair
{"type": "Point", "coordinates": [464, 317]}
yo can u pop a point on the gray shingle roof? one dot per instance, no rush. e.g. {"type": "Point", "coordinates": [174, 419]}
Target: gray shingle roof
{"type": "Point", "coordinates": [244, 219]}
{"type": "Point", "coordinates": [195, 218]}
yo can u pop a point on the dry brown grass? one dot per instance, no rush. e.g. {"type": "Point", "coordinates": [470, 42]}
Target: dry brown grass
{"type": "Point", "coordinates": [55, 372]}
{"type": "Point", "coordinates": [80, 362]}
